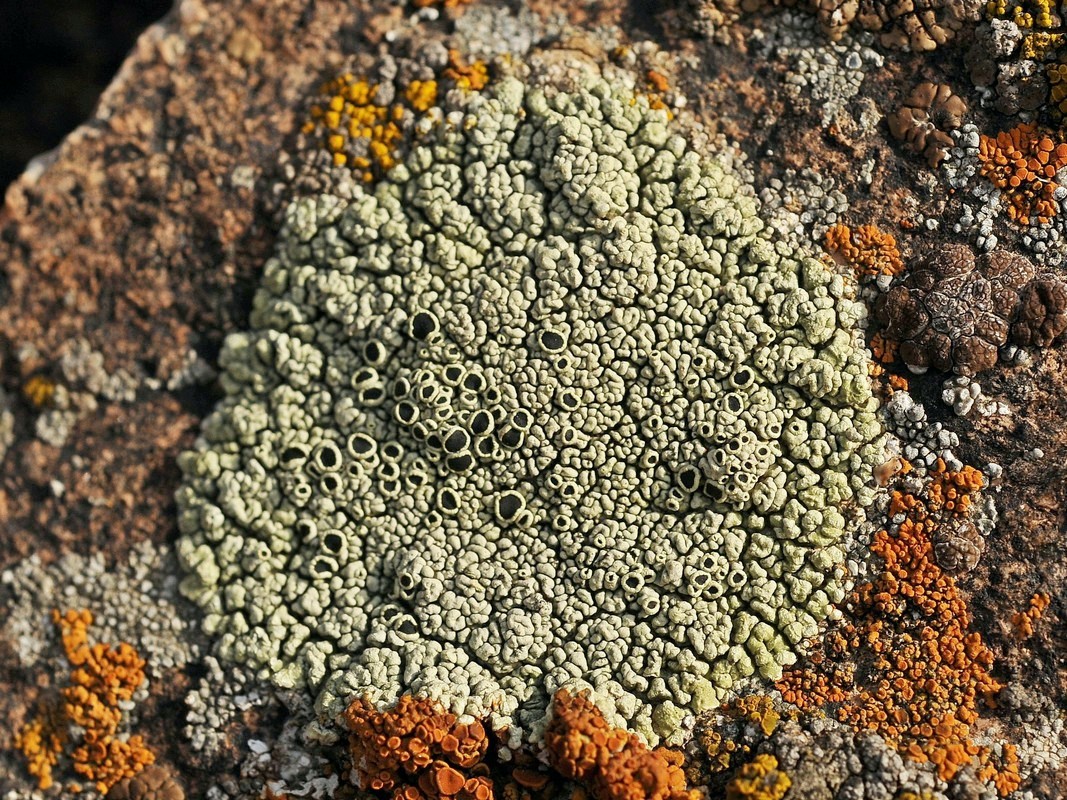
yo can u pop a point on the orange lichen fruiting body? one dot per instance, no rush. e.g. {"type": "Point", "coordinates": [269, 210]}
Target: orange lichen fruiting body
{"type": "Point", "coordinates": [101, 679]}
{"type": "Point", "coordinates": [926, 673]}
{"type": "Point", "coordinates": [1023, 621]}
{"type": "Point", "coordinates": [868, 250]}
{"type": "Point", "coordinates": [418, 750]}
{"type": "Point", "coordinates": [613, 764]}
{"type": "Point", "coordinates": [1023, 163]}
{"type": "Point", "coordinates": [951, 493]}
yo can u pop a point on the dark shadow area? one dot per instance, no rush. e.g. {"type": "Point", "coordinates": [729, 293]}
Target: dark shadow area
{"type": "Point", "coordinates": [56, 56]}
{"type": "Point", "coordinates": [644, 15]}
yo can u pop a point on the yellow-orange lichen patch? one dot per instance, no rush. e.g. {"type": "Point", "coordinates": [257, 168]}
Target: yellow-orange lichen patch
{"type": "Point", "coordinates": [1057, 79]}
{"type": "Point", "coordinates": [758, 709]}
{"type": "Point", "coordinates": [883, 349]}
{"type": "Point", "coordinates": [102, 678]}
{"type": "Point", "coordinates": [868, 250]}
{"type": "Point", "coordinates": [41, 741]}
{"type": "Point", "coordinates": [719, 749]}
{"type": "Point", "coordinates": [440, 3]}
{"type": "Point", "coordinates": [39, 390]}
{"type": "Point", "coordinates": [760, 779]}
{"type": "Point", "coordinates": [755, 708]}
{"type": "Point", "coordinates": [925, 673]}
{"type": "Point", "coordinates": [1022, 622]}
{"type": "Point", "coordinates": [417, 750]}
{"type": "Point", "coordinates": [472, 77]}
{"type": "Point", "coordinates": [359, 132]}
{"type": "Point", "coordinates": [1022, 164]}
{"type": "Point", "coordinates": [951, 493]}
{"type": "Point", "coordinates": [613, 764]}
{"type": "Point", "coordinates": [421, 95]}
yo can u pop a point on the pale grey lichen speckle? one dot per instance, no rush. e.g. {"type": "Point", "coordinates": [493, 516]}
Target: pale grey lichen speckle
{"type": "Point", "coordinates": [135, 602]}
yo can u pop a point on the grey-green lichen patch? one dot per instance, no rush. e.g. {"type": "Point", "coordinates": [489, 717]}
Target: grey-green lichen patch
{"type": "Point", "coordinates": [546, 406]}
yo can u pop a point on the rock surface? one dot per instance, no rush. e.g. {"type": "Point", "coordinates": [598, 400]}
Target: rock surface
{"type": "Point", "coordinates": [127, 255]}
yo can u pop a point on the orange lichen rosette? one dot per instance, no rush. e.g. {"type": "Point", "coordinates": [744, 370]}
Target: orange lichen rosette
{"type": "Point", "coordinates": [102, 678]}
{"type": "Point", "coordinates": [612, 763]}
{"type": "Point", "coordinates": [418, 750]}
{"type": "Point", "coordinates": [1022, 163]}
{"type": "Point", "coordinates": [868, 250]}
{"type": "Point", "coordinates": [926, 673]}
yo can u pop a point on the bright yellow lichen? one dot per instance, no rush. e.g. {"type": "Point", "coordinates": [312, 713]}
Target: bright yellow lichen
{"type": "Point", "coordinates": [349, 115]}
{"type": "Point", "coordinates": [41, 741]}
{"type": "Point", "coordinates": [760, 779]}
{"type": "Point", "coordinates": [363, 133]}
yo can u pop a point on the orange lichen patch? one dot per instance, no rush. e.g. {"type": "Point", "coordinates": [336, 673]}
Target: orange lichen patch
{"type": "Point", "coordinates": [868, 250]}
{"type": "Point", "coordinates": [886, 383]}
{"type": "Point", "coordinates": [359, 132]}
{"type": "Point", "coordinates": [897, 383]}
{"type": "Point", "coordinates": [440, 3]}
{"type": "Point", "coordinates": [41, 741]}
{"type": "Point", "coordinates": [658, 81]}
{"type": "Point", "coordinates": [106, 760]}
{"type": "Point", "coordinates": [1022, 164]}
{"type": "Point", "coordinates": [1023, 621]}
{"type": "Point", "coordinates": [883, 349]}
{"type": "Point", "coordinates": [925, 672]}
{"type": "Point", "coordinates": [418, 750]}
{"type": "Point", "coordinates": [39, 390]}
{"type": "Point", "coordinates": [613, 764]}
{"type": "Point", "coordinates": [952, 492]}
{"type": "Point", "coordinates": [658, 85]}
{"type": "Point", "coordinates": [471, 77]}
{"type": "Point", "coordinates": [101, 679]}
{"type": "Point", "coordinates": [760, 779]}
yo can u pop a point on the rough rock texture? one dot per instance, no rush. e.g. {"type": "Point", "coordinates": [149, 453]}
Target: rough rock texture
{"type": "Point", "coordinates": [128, 256]}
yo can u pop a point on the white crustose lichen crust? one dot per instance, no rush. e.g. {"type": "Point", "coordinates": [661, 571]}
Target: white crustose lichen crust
{"type": "Point", "coordinates": [545, 406]}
